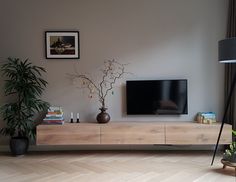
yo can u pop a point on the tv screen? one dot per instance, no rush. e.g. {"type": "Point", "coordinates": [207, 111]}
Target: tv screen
{"type": "Point", "coordinates": [149, 97]}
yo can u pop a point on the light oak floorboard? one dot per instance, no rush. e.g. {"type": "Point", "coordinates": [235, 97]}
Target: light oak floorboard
{"type": "Point", "coordinates": [114, 166]}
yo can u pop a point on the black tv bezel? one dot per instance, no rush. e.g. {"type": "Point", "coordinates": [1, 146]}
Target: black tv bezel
{"type": "Point", "coordinates": [170, 114]}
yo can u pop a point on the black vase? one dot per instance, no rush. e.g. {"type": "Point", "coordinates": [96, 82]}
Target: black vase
{"type": "Point", "coordinates": [19, 145]}
{"type": "Point", "coordinates": [103, 116]}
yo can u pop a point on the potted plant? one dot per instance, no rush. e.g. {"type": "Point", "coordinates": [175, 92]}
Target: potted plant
{"type": "Point", "coordinates": [111, 72]}
{"type": "Point", "coordinates": [24, 84]}
{"type": "Point", "coordinates": [230, 154]}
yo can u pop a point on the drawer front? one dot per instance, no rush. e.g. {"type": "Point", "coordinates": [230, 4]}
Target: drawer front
{"type": "Point", "coordinates": [132, 134]}
{"type": "Point", "coordinates": [68, 134]}
{"type": "Point", "coordinates": [197, 134]}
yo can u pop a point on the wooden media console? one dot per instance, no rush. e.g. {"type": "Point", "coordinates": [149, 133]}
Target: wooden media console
{"type": "Point", "coordinates": [133, 133]}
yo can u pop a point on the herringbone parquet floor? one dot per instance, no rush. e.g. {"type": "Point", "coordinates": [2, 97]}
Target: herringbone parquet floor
{"type": "Point", "coordinates": [110, 166]}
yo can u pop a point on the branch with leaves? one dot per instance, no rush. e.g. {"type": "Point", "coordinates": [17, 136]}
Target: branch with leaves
{"type": "Point", "coordinates": [111, 72]}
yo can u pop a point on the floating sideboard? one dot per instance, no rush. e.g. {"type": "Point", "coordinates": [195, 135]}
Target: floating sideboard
{"type": "Point", "coordinates": [115, 133]}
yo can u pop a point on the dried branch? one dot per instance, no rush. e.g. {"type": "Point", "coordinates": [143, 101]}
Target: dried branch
{"type": "Point", "coordinates": [111, 73]}
{"type": "Point", "coordinates": [114, 80]}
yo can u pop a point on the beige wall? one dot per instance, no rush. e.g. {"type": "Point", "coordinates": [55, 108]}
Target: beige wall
{"type": "Point", "coordinates": [160, 39]}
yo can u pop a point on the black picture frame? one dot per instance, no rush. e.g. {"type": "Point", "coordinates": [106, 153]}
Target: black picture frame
{"type": "Point", "coordinates": [62, 45]}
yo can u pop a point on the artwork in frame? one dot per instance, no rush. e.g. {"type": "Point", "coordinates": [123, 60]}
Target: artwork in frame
{"type": "Point", "coordinates": [62, 45]}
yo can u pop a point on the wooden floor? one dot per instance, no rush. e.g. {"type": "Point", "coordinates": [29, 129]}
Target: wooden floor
{"type": "Point", "coordinates": [108, 166]}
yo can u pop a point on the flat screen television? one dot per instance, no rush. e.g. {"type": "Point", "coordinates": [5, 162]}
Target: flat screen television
{"type": "Point", "coordinates": [161, 97]}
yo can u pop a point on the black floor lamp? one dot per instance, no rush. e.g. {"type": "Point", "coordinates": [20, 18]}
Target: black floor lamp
{"type": "Point", "coordinates": [227, 54]}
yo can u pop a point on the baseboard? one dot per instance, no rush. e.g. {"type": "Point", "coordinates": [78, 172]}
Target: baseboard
{"type": "Point", "coordinates": [5, 148]}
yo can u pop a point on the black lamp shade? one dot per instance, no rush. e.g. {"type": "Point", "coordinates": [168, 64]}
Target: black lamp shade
{"type": "Point", "coordinates": [227, 50]}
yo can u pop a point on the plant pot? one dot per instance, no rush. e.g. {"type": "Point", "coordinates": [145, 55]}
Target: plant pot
{"type": "Point", "coordinates": [103, 116]}
{"type": "Point", "coordinates": [226, 157]}
{"type": "Point", "coordinates": [233, 158]}
{"type": "Point", "coordinates": [229, 158]}
{"type": "Point", "coordinates": [19, 145]}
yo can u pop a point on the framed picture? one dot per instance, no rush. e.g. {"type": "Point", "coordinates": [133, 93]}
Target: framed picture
{"type": "Point", "coordinates": [62, 45]}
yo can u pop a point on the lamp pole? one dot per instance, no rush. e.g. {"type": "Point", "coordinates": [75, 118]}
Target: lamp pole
{"type": "Point", "coordinates": [224, 116]}
{"type": "Point", "coordinates": [227, 54]}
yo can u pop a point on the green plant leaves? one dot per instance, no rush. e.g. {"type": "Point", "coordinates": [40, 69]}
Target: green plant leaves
{"type": "Point", "coordinates": [24, 82]}
{"type": "Point", "coordinates": [234, 132]}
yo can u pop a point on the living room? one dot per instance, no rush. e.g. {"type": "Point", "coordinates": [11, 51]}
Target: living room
{"type": "Point", "coordinates": [156, 40]}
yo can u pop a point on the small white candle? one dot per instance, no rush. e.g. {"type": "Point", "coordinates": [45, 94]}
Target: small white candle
{"type": "Point", "coordinates": [71, 115]}
{"type": "Point", "coordinates": [77, 115]}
